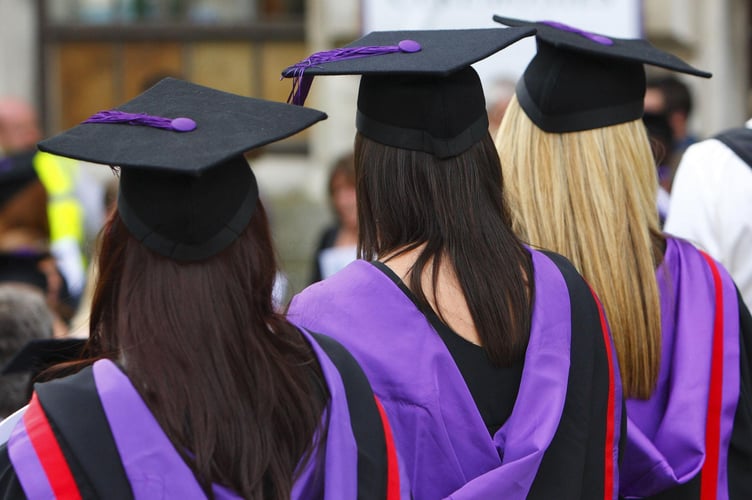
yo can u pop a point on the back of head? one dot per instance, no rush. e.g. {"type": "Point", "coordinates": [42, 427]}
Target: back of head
{"type": "Point", "coordinates": [185, 279]}
{"type": "Point", "coordinates": [19, 127]}
{"type": "Point", "coordinates": [428, 177]}
{"type": "Point", "coordinates": [676, 94]}
{"type": "Point", "coordinates": [582, 179]}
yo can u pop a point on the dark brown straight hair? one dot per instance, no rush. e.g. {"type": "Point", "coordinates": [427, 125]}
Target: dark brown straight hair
{"type": "Point", "coordinates": [235, 386]}
{"type": "Point", "coordinates": [456, 207]}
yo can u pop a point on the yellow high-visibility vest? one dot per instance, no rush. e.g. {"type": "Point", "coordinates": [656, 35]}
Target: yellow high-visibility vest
{"type": "Point", "coordinates": [64, 211]}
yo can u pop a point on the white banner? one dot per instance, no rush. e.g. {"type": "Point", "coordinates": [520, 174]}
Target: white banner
{"type": "Point", "coordinates": [618, 18]}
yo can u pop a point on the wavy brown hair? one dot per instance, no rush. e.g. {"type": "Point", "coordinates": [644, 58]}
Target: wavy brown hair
{"type": "Point", "coordinates": [227, 378]}
{"type": "Point", "coordinates": [456, 208]}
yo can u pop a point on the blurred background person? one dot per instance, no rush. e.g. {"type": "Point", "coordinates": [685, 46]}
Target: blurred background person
{"type": "Point", "coordinates": [338, 242]}
{"type": "Point", "coordinates": [662, 145]}
{"type": "Point", "coordinates": [24, 237]}
{"type": "Point", "coordinates": [711, 202]}
{"type": "Point", "coordinates": [75, 202]}
{"type": "Point", "coordinates": [582, 181]}
{"type": "Point", "coordinates": [498, 96]}
{"type": "Point", "coordinates": [669, 97]}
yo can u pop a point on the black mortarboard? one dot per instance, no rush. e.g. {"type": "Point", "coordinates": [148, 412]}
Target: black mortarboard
{"type": "Point", "coordinates": [418, 90]}
{"type": "Point", "coordinates": [579, 80]}
{"type": "Point", "coordinates": [39, 354]}
{"type": "Point", "coordinates": [186, 192]}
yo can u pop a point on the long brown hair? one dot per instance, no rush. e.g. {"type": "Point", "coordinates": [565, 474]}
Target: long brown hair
{"type": "Point", "coordinates": [227, 378]}
{"type": "Point", "coordinates": [456, 208]}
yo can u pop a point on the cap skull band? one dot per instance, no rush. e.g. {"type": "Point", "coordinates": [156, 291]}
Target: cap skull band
{"type": "Point", "coordinates": [186, 191]}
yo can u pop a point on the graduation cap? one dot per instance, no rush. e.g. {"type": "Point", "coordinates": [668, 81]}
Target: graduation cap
{"type": "Point", "coordinates": [186, 191]}
{"type": "Point", "coordinates": [39, 354]}
{"type": "Point", "coordinates": [580, 80]}
{"type": "Point", "coordinates": [418, 90]}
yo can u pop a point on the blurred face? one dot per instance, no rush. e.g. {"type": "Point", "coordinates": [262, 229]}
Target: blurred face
{"type": "Point", "coordinates": [654, 102]}
{"type": "Point", "coordinates": [344, 201]}
{"type": "Point", "coordinates": [18, 127]}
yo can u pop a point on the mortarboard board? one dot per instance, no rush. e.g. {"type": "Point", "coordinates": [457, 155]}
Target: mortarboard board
{"type": "Point", "coordinates": [580, 80]}
{"type": "Point", "coordinates": [39, 354]}
{"type": "Point", "coordinates": [186, 192]}
{"type": "Point", "coordinates": [418, 90]}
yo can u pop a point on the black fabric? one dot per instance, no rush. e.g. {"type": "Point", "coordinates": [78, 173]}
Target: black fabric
{"type": "Point", "coordinates": [185, 195]}
{"type": "Point", "coordinates": [23, 268]}
{"type": "Point", "coordinates": [740, 449]}
{"type": "Point", "coordinates": [188, 218]}
{"type": "Point", "coordinates": [327, 239]}
{"type": "Point", "coordinates": [556, 97]}
{"type": "Point", "coordinates": [430, 100]}
{"type": "Point", "coordinates": [75, 412]}
{"type": "Point", "coordinates": [10, 487]}
{"type": "Point", "coordinates": [494, 389]}
{"type": "Point", "coordinates": [442, 116]}
{"type": "Point", "coordinates": [365, 420]}
{"type": "Point", "coordinates": [581, 81]}
{"type": "Point", "coordinates": [442, 52]}
{"type": "Point", "coordinates": [578, 447]}
{"type": "Point", "coordinates": [227, 125]}
{"type": "Point", "coordinates": [39, 354]}
{"type": "Point", "coordinates": [16, 172]}
{"type": "Point", "coordinates": [738, 140]}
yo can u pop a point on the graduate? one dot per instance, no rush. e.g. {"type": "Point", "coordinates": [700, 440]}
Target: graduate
{"type": "Point", "coordinates": [192, 385]}
{"type": "Point", "coordinates": [582, 181]}
{"type": "Point", "coordinates": [493, 361]}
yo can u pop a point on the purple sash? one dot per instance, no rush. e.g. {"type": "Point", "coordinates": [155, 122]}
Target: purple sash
{"type": "Point", "coordinates": [437, 427]}
{"type": "Point", "coordinates": [666, 433]}
{"type": "Point", "coordinates": [156, 470]}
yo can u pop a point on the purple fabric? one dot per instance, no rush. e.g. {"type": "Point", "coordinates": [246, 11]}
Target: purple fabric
{"type": "Point", "coordinates": [152, 464]}
{"type": "Point", "coordinates": [437, 427]}
{"type": "Point", "coordinates": [155, 469]}
{"type": "Point", "coordinates": [180, 124]}
{"type": "Point", "coordinates": [600, 39]}
{"type": "Point", "coordinates": [666, 433]}
{"type": "Point", "coordinates": [301, 83]}
{"type": "Point", "coordinates": [341, 458]}
{"type": "Point", "coordinates": [28, 468]}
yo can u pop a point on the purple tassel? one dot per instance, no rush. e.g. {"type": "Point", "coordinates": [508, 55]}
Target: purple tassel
{"type": "Point", "coordinates": [181, 124]}
{"type": "Point", "coordinates": [590, 36]}
{"type": "Point", "coordinates": [301, 83]}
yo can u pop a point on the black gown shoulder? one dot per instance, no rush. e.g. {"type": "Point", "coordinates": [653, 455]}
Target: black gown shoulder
{"type": "Point", "coordinates": [10, 487]}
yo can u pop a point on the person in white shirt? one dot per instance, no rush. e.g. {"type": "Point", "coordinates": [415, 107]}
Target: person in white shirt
{"type": "Point", "coordinates": [711, 202]}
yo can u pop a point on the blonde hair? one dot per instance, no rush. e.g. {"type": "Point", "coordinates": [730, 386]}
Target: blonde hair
{"type": "Point", "coordinates": [590, 196]}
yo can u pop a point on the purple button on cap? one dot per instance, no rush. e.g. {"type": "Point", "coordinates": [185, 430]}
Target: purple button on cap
{"type": "Point", "coordinates": [183, 124]}
{"type": "Point", "coordinates": [409, 46]}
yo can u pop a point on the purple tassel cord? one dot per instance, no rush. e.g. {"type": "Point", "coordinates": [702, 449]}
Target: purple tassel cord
{"type": "Point", "coordinates": [590, 36]}
{"type": "Point", "coordinates": [114, 116]}
{"type": "Point", "coordinates": [301, 83]}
